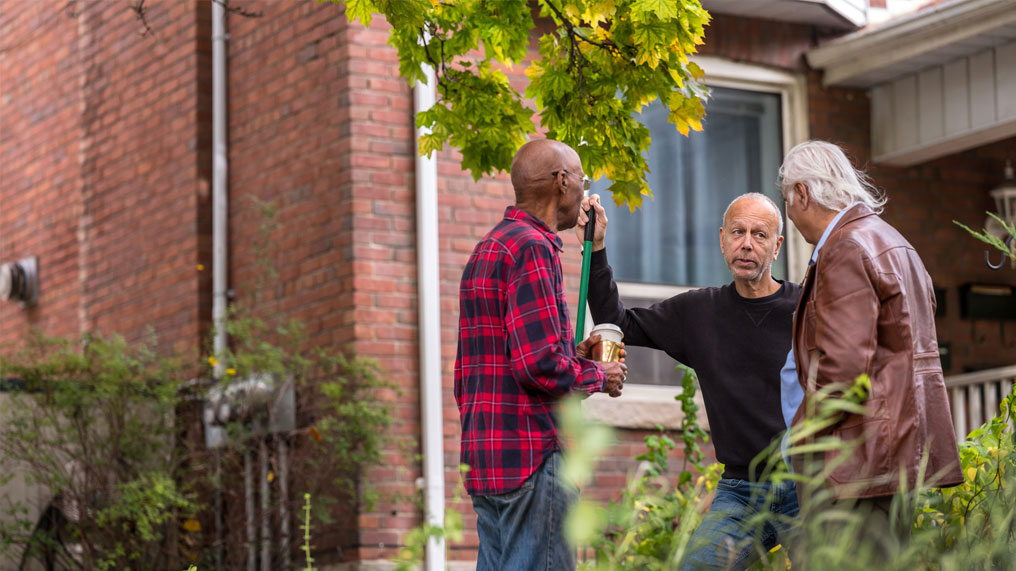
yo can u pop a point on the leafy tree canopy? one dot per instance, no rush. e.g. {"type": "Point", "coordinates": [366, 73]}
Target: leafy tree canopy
{"type": "Point", "coordinates": [599, 64]}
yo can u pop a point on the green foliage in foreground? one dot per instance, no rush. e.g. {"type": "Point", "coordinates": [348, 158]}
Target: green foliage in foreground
{"type": "Point", "coordinates": [974, 525]}
{"type": "Point", "coordinates": [599, 63]}
{"type": "Point", "coordinates": [653, 521]}
{"type": "Point", "coordinates": [412, 553]}
{"type": "Point", "coordinates": [970, 526]}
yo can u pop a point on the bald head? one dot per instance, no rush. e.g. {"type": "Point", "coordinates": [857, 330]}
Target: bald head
{"type": "Point", "coordinates": [750, 241]}
{"type": "Point", "coordinates": [534, 164]}
{"type": "Point", "coordinates": [765, 201]}
{"type": "Point", "coordinates": [547, 177]}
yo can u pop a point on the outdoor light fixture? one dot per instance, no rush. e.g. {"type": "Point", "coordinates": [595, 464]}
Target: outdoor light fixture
{"type": "Point", "coordinates": [1005, 206]}
{"type": "Point", "coordinates": [19, 281]}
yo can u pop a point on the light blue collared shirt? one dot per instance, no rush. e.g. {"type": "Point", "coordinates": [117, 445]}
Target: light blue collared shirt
{"type": "Point", "coordinates": [791, 393]}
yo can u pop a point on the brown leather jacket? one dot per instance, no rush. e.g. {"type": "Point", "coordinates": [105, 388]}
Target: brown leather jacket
{"type": "Point", "coordinates": [868, 307]}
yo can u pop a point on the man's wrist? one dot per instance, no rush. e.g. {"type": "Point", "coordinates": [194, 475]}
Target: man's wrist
{"type": "Point", "coordinates": [597, 246]}
{"type": "Point", "coordinates": [601, 376]}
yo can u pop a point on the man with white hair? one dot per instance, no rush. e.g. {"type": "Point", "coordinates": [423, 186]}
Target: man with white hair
{"type": "Point", "coordinates": [867, 307]}
{"type": "Point", "coordinates": [736, 338]}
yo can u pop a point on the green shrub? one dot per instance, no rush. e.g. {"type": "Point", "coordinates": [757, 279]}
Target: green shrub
{"type": "Point", "coordinates": [970, 526]}
{"type": "Point", "coordinates": [92, 429]}
{"type": "Point", "coordinates": [973, 525]}
{"type": "Point", "coordinates": [650, 525]}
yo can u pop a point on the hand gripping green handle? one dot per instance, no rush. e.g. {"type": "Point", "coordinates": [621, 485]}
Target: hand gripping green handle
{"type": "Point", "coordinates": [587, 251]}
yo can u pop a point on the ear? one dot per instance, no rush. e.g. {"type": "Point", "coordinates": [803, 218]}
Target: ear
{"type": "Point", "coordinates": [721, 240]}
{"type": "Point", "coordinates": [801, 192]}
{"type": "Point", "coordinates": [779, 243]}
{"type": "Point", "coordinates": [562, 182]}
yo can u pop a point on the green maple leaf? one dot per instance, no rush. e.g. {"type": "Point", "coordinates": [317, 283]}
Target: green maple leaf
{"type": "Point", "coordinates": [642, 10]}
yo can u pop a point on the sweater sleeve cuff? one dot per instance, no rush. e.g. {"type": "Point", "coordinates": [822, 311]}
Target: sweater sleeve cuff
{"type": "Point", "coordinates": [598, 258]}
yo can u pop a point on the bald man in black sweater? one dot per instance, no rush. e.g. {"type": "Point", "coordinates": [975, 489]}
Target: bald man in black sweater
{"type": "Point", "coordinates": [736, 337]}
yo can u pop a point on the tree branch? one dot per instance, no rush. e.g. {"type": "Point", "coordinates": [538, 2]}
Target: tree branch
{"type": "Point", "coordinates": [576, 59]}
{"type": "Point", "coordinates": [140, 12]}
{"type": "Point", "coordinates": [238, 10]}
{"type": "Point", "coordinates": [574, 35]}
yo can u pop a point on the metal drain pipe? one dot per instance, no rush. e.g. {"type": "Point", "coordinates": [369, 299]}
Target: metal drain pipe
{"type": "Point", "coordinates": [429, 303]}
{"type": "Point", "coordinates": [220, 236]}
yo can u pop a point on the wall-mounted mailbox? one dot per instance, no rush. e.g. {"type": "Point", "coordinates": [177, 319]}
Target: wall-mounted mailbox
{"type": "Point", "coordinates": [985, 301]}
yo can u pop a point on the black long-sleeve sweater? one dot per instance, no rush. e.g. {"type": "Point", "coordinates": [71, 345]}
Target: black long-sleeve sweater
{"type": "Point", "coordinates": [736, 345]}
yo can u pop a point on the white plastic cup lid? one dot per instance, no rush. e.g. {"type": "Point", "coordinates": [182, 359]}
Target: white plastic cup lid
{"type": "Point", "coordinates": [608, 331]}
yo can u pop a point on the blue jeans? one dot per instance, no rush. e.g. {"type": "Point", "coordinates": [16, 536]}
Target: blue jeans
{"type": "Point", "coordinates": [522, 529]}
{"type": "Point", "coordinates": [731, 529]}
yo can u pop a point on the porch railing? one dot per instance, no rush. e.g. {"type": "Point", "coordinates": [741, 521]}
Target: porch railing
{"type": "Point", "coordinates": [975, 396]}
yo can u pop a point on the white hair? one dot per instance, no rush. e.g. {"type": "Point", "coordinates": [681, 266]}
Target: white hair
{"type": "Point", "coordinates": [766, 200]}
{"type": "Point", "coordinates": [832, 182]}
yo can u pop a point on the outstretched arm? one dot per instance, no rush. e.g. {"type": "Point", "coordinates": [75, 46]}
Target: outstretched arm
{"type": "Point", "coordinates": [657, 327]}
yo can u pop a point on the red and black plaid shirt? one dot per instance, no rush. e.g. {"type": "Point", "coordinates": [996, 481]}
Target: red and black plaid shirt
{"type": "Point", "coordinates": [516, 355]}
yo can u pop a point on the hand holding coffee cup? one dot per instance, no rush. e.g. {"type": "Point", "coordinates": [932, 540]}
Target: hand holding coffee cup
{"type": "Point", "coordinates": [616, 372]}
{"type": "Point", "coordinates": [585, 348]}
{"type": "Point", "coordinates": [604, 345]}
{"type": "Point", "coordinates": [609, 348]}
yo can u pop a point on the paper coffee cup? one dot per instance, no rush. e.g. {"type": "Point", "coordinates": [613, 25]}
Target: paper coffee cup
{"type": "Point", "coordinates": [609, 347]}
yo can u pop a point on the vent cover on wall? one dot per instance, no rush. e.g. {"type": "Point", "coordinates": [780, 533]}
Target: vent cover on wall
{"type": "Point", "coordinates": [19, 281]}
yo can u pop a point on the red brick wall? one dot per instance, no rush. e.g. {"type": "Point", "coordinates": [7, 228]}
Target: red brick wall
{"type": "Point", "coordinates": [104, 172]}
{"type": "Point", "coordinates": [146, 169]}
{"type": "Point", "coordinates": [40, 174]}
{"type": "Point", "coordinates": [321, 125]}
{"type": "Point", "coordinates": [763, 42]}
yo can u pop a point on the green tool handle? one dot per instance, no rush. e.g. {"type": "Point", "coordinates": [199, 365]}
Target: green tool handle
{"type": "Point", "coordinates": [587, 252]}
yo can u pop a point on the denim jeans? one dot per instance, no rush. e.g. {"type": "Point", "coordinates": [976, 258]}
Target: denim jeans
{"type": "Point", "coordinates": [522, 529]}
{"type": "Point", "coordinates": [727, 536]}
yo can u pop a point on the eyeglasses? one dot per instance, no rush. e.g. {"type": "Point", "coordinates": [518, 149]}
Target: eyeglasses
{"type": "Point", "coordinates": [586, 182]}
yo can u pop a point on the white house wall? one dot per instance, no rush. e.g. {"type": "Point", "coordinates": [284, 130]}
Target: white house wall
{"type": "Point", "coordinates": [945, 108]}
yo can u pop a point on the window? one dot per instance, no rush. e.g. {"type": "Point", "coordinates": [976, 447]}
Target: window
{"type": "Point", "coordinates": [671, 245]}
{"type": "Point", "coordinates": [673, 239]}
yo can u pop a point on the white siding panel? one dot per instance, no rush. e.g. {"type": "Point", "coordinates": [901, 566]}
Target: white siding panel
{"type": "Point", "coordinates": [957, 97]}
{"type": "Point", "coordinates": [982, 96]}
{"type": "Point", "coordinates": [882, 129]}
{"type": "Point", "coordinates": [1005, 80]}
{"type": "Point", "coordinates": [905, 111]}
{"type": "Point", "coordinates": [931, 114]}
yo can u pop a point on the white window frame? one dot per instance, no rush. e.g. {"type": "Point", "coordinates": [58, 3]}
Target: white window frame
{"type": "Point", "coordinates": [646, 406]}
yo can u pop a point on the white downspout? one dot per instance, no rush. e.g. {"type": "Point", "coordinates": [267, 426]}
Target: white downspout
{"type": "Point", "coordinates": [220, 203]}
{"type": "Point", "coordinates": [429, 303]}
{"type": "Point", "coordinates": [220, 170]}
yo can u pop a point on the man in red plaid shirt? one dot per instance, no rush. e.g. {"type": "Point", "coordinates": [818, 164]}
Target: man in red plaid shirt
{"type": "Point", "coordinates": [516, 359]}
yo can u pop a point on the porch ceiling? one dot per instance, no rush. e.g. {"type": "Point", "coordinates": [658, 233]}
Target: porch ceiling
{"type": "Point", "coordinates": [932, 36]}
{"type": "Point", "coordinates": [941, 79]}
